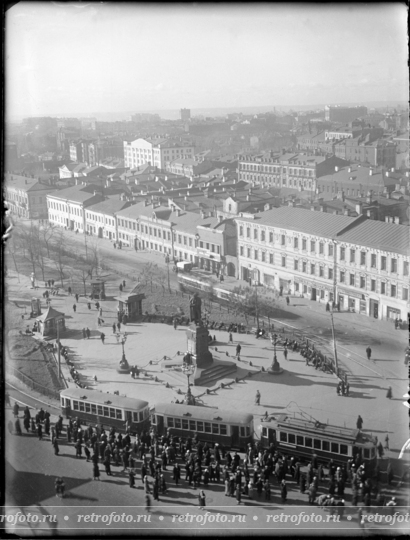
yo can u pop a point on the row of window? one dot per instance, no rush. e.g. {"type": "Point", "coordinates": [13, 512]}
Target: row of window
{"type": "Point", "coordinates": [317, 444]}
{"type": "Point", "coordinates": [65, 208]}
{"type": "Point", "coordinates": [275, 169]}
{"type": "Point", "coordinates": [203, 427]}
{"type": "Point", "coordinates": [100, 218]}
{"type": "Point", "coordinates": [304, 244]}
{"type": "Point", "coordinates": [99, 410]}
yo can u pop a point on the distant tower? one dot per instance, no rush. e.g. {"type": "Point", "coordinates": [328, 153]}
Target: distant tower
{"type": "Point", "coordinates": [185, 115]}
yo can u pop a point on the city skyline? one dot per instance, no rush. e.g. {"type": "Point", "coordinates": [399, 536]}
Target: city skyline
{"type": "Point", "coordinates": [113, 58]}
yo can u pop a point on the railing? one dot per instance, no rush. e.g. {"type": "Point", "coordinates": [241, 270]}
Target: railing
{"type": "Point", "coordinates": [28, 381]}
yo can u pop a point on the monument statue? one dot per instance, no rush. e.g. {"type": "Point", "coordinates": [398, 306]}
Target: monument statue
{"type": "Point", "coordinates": [195, 308]}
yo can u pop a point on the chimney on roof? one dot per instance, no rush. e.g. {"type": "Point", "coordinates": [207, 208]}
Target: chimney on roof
{"type": "Point", "coordinates": [392, 169]}
{"type": "Point", "coordinates": [346, 211]}
{"type": "Point", "coordinates": [370, 172]}
{"type": "Point", "coordinates": [397, 220]}
{"type": "Point", "coordinates": [387, 174]}
{"type": "Point", "coordinates": [322, 208]}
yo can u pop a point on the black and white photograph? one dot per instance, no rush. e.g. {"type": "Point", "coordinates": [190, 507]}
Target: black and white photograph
{"type": "Point", "coordinates": [205, 270]}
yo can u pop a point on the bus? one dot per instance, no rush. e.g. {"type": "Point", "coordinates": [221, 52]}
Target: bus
{"type": "Point", "coordinates": [94, 407]}
{"type": "Point", "coordinates": [231, 429]}
{"type": "Point", "coordinates": [305, 437]}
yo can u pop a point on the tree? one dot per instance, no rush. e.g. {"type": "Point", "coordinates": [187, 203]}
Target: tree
{"type": "Point", "coordinates": [162, 279]}
{"type": "Point", "coordinates": [148, 274]}
{"type": "Point", "coordinates": [46, 233]}
{"type": "Point", "coordinates": [59, 255]}
{"type": "Point", "coordinates": [13, 247]}
{"type": "Point", "coordinates": [252, 302]}
{"type": "Point", "coordinates": [28, 240]}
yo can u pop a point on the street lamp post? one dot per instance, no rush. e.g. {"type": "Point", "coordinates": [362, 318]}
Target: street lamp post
{"type": "Point", "coordinates": [275, 368]}
{"type": "Point", "coordinates": [334, 343]}
{"type": "Point", "coordinates": [124, 339]}
{"type": "Point", "coordinates": [167, 261]}
{"type": "Point", "coordinates": [189, 398]}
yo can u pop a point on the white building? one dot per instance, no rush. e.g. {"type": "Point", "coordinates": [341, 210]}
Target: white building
{"type": "Point", "coordinates": [156, 152]}
{"type": "Point", "coordinates": [100, 218]}
{"type": "Point", "coordinates": [66, 206]}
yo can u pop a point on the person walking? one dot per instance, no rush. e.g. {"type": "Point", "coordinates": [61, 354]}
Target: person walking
{"type": "Point", "coordinates": [258, 398]}
{"type": "Point", "coordinates": [176, 473]}
{"type": "Point", "coordinates": [56, 447]}
{"type": "Point", "coordinates": [69, 291]}
{"type": "Point", "coordinates": [96, 471]}
{"type": "Point", "coordinates": [287, 301]}
{"type": "Point", "coordinates": [87, 331]}
{"type": "Point", "coordinates": [40, 431]}
{"type": "Point", "coordinates": [285, 353]}
{"type": "Point", "coordinates": [389, 394]}
{"type": "Point", "coordinates": [359, 422]}
{"type": "Point", "coordinates": [16, 409]}
{"type": "Point", "coordinates": [113, 328]}
{"type": "Point", "coordinates": [102, 337]}
{"type": "Point", "coordinates": [386, 443]}
{"type": "Point", "coordinates": [119, 326]}
{"type": "Point", "coordinates": [368, 353]}
{"type": "Point", "coordinates": [283, 491]}
{"type": "Point", "coordinates": [77, 297]}
{"type": "Point", "coordinates": [202, 499]}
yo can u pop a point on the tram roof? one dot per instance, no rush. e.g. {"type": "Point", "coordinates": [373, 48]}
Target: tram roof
{"type": "Point", "coordinates": [94, 396]}
{"type": "Point", "coordinates": [202, 413]}
{"type": "Point", "coordinates": [355, 435]}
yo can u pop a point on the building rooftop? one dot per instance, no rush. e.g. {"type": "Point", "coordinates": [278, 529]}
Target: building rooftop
{"type": "Point", "coordinates": [73, 193]}
{"type": "Point", "coordinates": [109, 206]}
{"type": "Point", "coordinates": [379, 235]}
{"type": "Point", "coordinates": [302, 220]}
{"type": "Point", "coordinates": [26, 184]}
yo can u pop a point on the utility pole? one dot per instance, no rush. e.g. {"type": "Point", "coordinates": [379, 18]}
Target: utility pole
{"type": "Point", "coordinates": [334, 344]}
{"type": "Point", "coordinates": [58, 350]}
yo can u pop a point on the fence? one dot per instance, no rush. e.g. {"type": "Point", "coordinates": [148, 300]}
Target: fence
{"type": "Point", "coordinates": [28, 381]}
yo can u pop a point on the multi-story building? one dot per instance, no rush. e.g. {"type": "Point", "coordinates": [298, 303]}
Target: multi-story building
{"type": "Point", "coordinates": [72, 170]}
{"type": "Point", "coordinates": [297, 171]}
{"type": "Point", "coordinates": [156, 151]}
{"type": "Point", "coordinates": [185, 115]}
{"type": "Point", "coordinates": [206, 241]}
{"type": "Point", "coordinates": [189, 167]}
{"type": "Point", "coordinates": [343, 114]}
{"type": "Point", "coordinates": [363, 149]}
{"type": "Point", "coordinates": [26, 197]}
{"type": "Point", "coordinates": [372, 269]}
{"type": "Point", "coordinates": [360, 263]}
{"type": "Point", "coordinates": [66, 208]}
{"type": "Point", "coordinates": [101, 219]}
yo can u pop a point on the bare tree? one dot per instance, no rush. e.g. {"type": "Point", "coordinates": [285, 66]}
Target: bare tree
{"type": "Point", "coordinates": [28, 239]}
{"type": "Point", "coordinates": [162, 279]}
{"type": "Point", "coordinates": [13, 244]}
{"type": "Point", "coordinates": [46, 233]}
{"type": "Point", "coordinates": [60, 259]}
{"type": "Point", "coordinates": [148, 274]}
{"type": "Point", "coordinates": [85, 268]}
{"type": "Point", "coordinates": [251, 302]}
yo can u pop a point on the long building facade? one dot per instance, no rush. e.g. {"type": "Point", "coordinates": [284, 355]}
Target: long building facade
{"type": "Point", "coordinates": [361, 264]}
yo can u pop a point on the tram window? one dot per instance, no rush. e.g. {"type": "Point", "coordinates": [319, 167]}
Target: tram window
{"type": "Point", "coordinates": [215, 429]}
{"type": "Point", "coordinates": [291, 438]}
{"type": "Point", "coordinates": [100, 410]}
{"type": "Point", "coordinates": [326, 446]}
{"type": "Point", "coordinates": [222, 429]}
{"type": "Point", "coordinates": [184, 424]}
{"type": "Point", "coordinates": [248, 431]}
{"type": "Point", "coordinates": [93, 409]}
{"type": "Point", "coordinates": [75, 405]}
{"type": "Point", "coordinates": [112, 413]}
{"type": "Point", "coordinates": [178, 423]}
{"type": "Point", "coordinates": [200, 426]}
{"type": "Point", "coordinates": [264, 432]}
{"type": "Point", "coordinates": [87, 407]}
{"type": "Point", "coordinates": [82, 408]}
{"type": "Point", "coordinates": [366, 453]}
{"type": "Point", "coordinates": [106, 411]}
{"type": "Point", "coordinates": [343, 449]}
{"type": "Point", "coordinates": [308, 442]}
{"type": "Point", "coordinates": [154, 419]}
{"type": "Point", "coordinates": [135, 417]}
{"type": "Point", "coordinates": [192, 425]}
{"type": "Point", "coordinates": [170, 422]}
{"type": "Point", "coordinates": [317, 444]}
{"type": "Point", "coordinates": [118, 413]}
{"type": "Point", "coordinates": [283, 437]}
{"type": "Point", "coordinates": [335, 447]}
{"type": "Point", "coordinates": [140, 416]}
{"type": "Point", "coordinates": [207, 427]}
{"type": "Point", "coordinates": [242, 431]}
{"type": "Point", "coordinates": [299, 440]}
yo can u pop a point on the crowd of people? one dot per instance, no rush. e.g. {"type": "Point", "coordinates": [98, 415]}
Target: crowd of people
{"type": "Point", "coordinates": [252, 476]}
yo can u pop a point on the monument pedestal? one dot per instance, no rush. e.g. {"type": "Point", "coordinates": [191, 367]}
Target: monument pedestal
{"type": "Point", "coordinates": [275, 368]}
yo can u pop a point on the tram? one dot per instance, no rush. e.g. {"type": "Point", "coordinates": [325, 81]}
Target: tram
{"type": "Point", "coordinates": [193, 283]}
{"type": "Point", "coordinates": [305, 437]}
{"type": "Point", "coordinates": [94, 407]}
{"type": "Point", "coordinates": [229, 428]}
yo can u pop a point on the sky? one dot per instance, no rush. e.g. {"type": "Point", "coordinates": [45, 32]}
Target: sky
{"type": "Point", "coordinates": [70, 58]}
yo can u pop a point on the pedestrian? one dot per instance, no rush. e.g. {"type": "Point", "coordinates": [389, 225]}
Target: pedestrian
{"type": "Point", "coordinates": [84, 333]}
{"type": "Point", "coordinates": [285, 353]}
{"type": "Point", "coordinates": [380, 450]}
{"type": "Point", "coordinates": [119, 326]}
{"type": "Point", "coordinates": [359, 422]}
{"type": "Point", "coordinates": [176, 473]}
{"type": "Point", "coordinates": [238, 350]}
{"type": "Point", "coordinates": [113, 328]}
{"type": "Point", "coordinates": [89, 305]}
{"type": "Point", "coordinates": [76, 297]}
{"type": "Point", "coordinates": [74, 308]}
{"type": "Point", "coordinates": [59, 487]}
{"type": "Point", "coordinates": [230, 337]}
{"type": "Point", "coordinates": [202, 499]}
{"type": "Point", "coordinates": [155, 490]}
{"type": "Point", "coordinates": [327, 306]}
{"type": "Point", "coordinates": [131, 478]}
{"type": "Point", "coordinates": [283, 491]}
{"type": "Point", "coordinates": [40, 431]}
{"type": "Point", "coordinates": [69, 291]}
{"type": "Point", "coordinates": [146, 485]}
{"type": "Point", "coordinates": [386, 443]}
{"type": "Point", "coordinates": [238, 493]}
{"type": "Point", "coordinates": [56, 447]}
{"type": "Point", "coordinates": [123, 283]}
{"type": "Point", "coordinates": [17, 426]}
{"type": "Point", "coordinates": [389, 394]}
{"type": "Point", "coordinates": [16, 409]}
{"type": "Point", "coordinates": [147, 503]}
{"type": "Point", "coordinates": [287, 300]}
{"type": "Point", "coordinates": [120, 287]}
{"type": "Point", "coordinates": [101, 311]}
{"type": "Point", "coordinates": [368, 353]}
{"type": "Point", "coordinates": [87, 331]}
{"type": "Point", "coordinates": [258, 398]}
{"type": "Point", "coordinates": [96, 471]}
{"type": "Point", "coordinates": [107, 465]}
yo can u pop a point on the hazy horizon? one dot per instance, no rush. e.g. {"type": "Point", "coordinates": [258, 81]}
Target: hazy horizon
{"type": "Point", "coordinates": [108, 59]}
